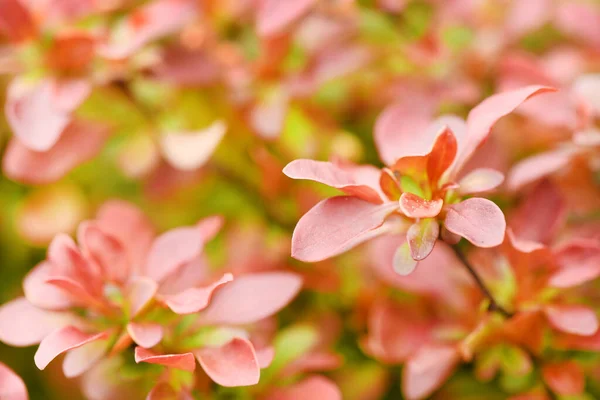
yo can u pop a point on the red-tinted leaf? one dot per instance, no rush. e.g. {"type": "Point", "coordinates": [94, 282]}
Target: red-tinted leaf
{"type": "Point", "coordinates": [389, 185]}
{"type": "Point", "coordinates": [442, 156]}
{"type": "Point", "coordinates": [565, 378]}
{"type": "Point", "coordinates": [414, 206]}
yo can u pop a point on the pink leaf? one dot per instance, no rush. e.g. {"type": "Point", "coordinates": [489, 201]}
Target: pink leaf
{"type": "Point", "coordinates": [35, 113]}
{"type": "Point", "coordinates": [81, 359]}
{"type": "Point", "coordinates": [107, 252]}
{"type": "Point", "coordinates": [480, 180]}
{"type": "Point", "coordinates": [427, 370]}
{"type": "Point", "coordinates": [185, 361]}
{"type": "Point", "coordinates": [336, 225]}
{"type": "Point", "coordinates": [274, 16]}
{"type": "Point", "coordinates": [145, 335]}
{"type": "Point", "coordinates": [80, 142]}
{"type": "Point", "coordinates": [396, 331]}
{"type": "Point", "coordinates": [395, 129]}
{"type": "Point", "coordinates": [62, 340]}
{"type": "Point", "coordinates": [139, 294]}
{"type": "Point", "coordinates": [421, 238]}
{"type": "Point", "coordinates": [265, 356]}
{"type": "Point", "coordinates": [188, 151]}
{"type": "Point", "coordinates": [541, 216]}
{"type": "Point", "coordinates": [359, 181]}
{"type": "Point", "coordinates": [523, 245]}
{"type": "Point", "coordinates": [193, 300]}
{"type": "Point", "coordinates": [130, 226]}
{"type": "Point", "coordinates": [42, 294]}
{"type": "Point", "coordinates": [416, 207]}
{"type": "Point", "coordinates": [22, 324]}
{"type": "Point", "coordinates": [233, 364]}
{"type": "Point", "coordinates": [482, 118]}
{"type": "Point", "coordinates": [539, 166]}
{"type": "Point", "coordinates": [578, 320]}
{"type": "Point", "coordinates": [173, 249]}
{"type": "Point", "coordinates": [578, 261]}
{"type": "Point", "coordinates": [11, 385]}
{"type": "Point", "coordinates": [250, 298]}
{"type": "Point", "coordinates": [480, 221]}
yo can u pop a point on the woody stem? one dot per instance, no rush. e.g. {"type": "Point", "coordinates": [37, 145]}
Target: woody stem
{"type": "Point", "coordinates": [494, 306]}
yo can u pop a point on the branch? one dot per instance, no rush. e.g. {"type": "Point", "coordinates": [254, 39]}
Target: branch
{"type": "Point", "coordinates": [494, 306]}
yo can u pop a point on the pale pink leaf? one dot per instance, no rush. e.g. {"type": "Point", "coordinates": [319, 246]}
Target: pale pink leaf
{"type": "Point", "coordinates": [359, 181]}
{"type": "Point", "coordinates": [539, 166]}
{"type": "Point", "coordinates": [171, 250]}
{"type": "Point", "coordinates": [188, 151]}
{"type": "Point", "coordinates": [81, 359]}
{"type": "Point", "coordinates": [106, 251]}
{"type": "Point", "coordinates": [587, 87]}
{"type": "Point", "coordinates": [480, 180]}
{"type": "Point", "coordinates": [139, 294]}
{"type": "Point", "coordinates": [127, 223]}
{"type": "Point", "coordinates": [482, 118]}
{"type": "Point", "coordinates": [193, 300]}
{"type": "Point", "coordinates": [80, 142]}
{"type": "Point", "coordinates": [34, 115]}
{"type": "Point", "coordinates": [231, 365]}
{"type": "Point", "coordinates": [574, 319]}
{"type": "Point", "coordinates": [62, 340]}
{"type": "Point", "coordinates": [427, 370]}
{"type": "Point", "coordinates": [250, 298]}
{"type": "Point", "coordinates": [541, 215]}
{"type": "Point", "coordinates": [578, 261]}
{"type": "Point", "coordinates": [22, 324]}
{"type": "Point", "coordinates": [145, 335]}
{"type": "Point", "coordinates": [265, 356]}
{"type": "Point", "coordinates": [395, 131]}
{"type": "Point", "coordinates": [336, 225]}
{"type": "Point", "coordinates": [12, 386]}
{"type": "Point", "coordinates": [478, 220]}
{"type": "Point", "coordinates": [42, 294]}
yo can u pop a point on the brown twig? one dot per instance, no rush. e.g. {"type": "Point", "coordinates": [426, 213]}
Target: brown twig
{"type": "Point", "coordinates": [494, 306]}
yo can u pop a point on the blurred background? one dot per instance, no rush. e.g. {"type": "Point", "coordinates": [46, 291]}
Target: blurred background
{"type": "Point", "coordinates": [191, 108]}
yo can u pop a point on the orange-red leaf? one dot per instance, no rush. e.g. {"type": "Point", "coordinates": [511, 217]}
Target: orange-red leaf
{"type": "Point", "coordinates": [442, 155]}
